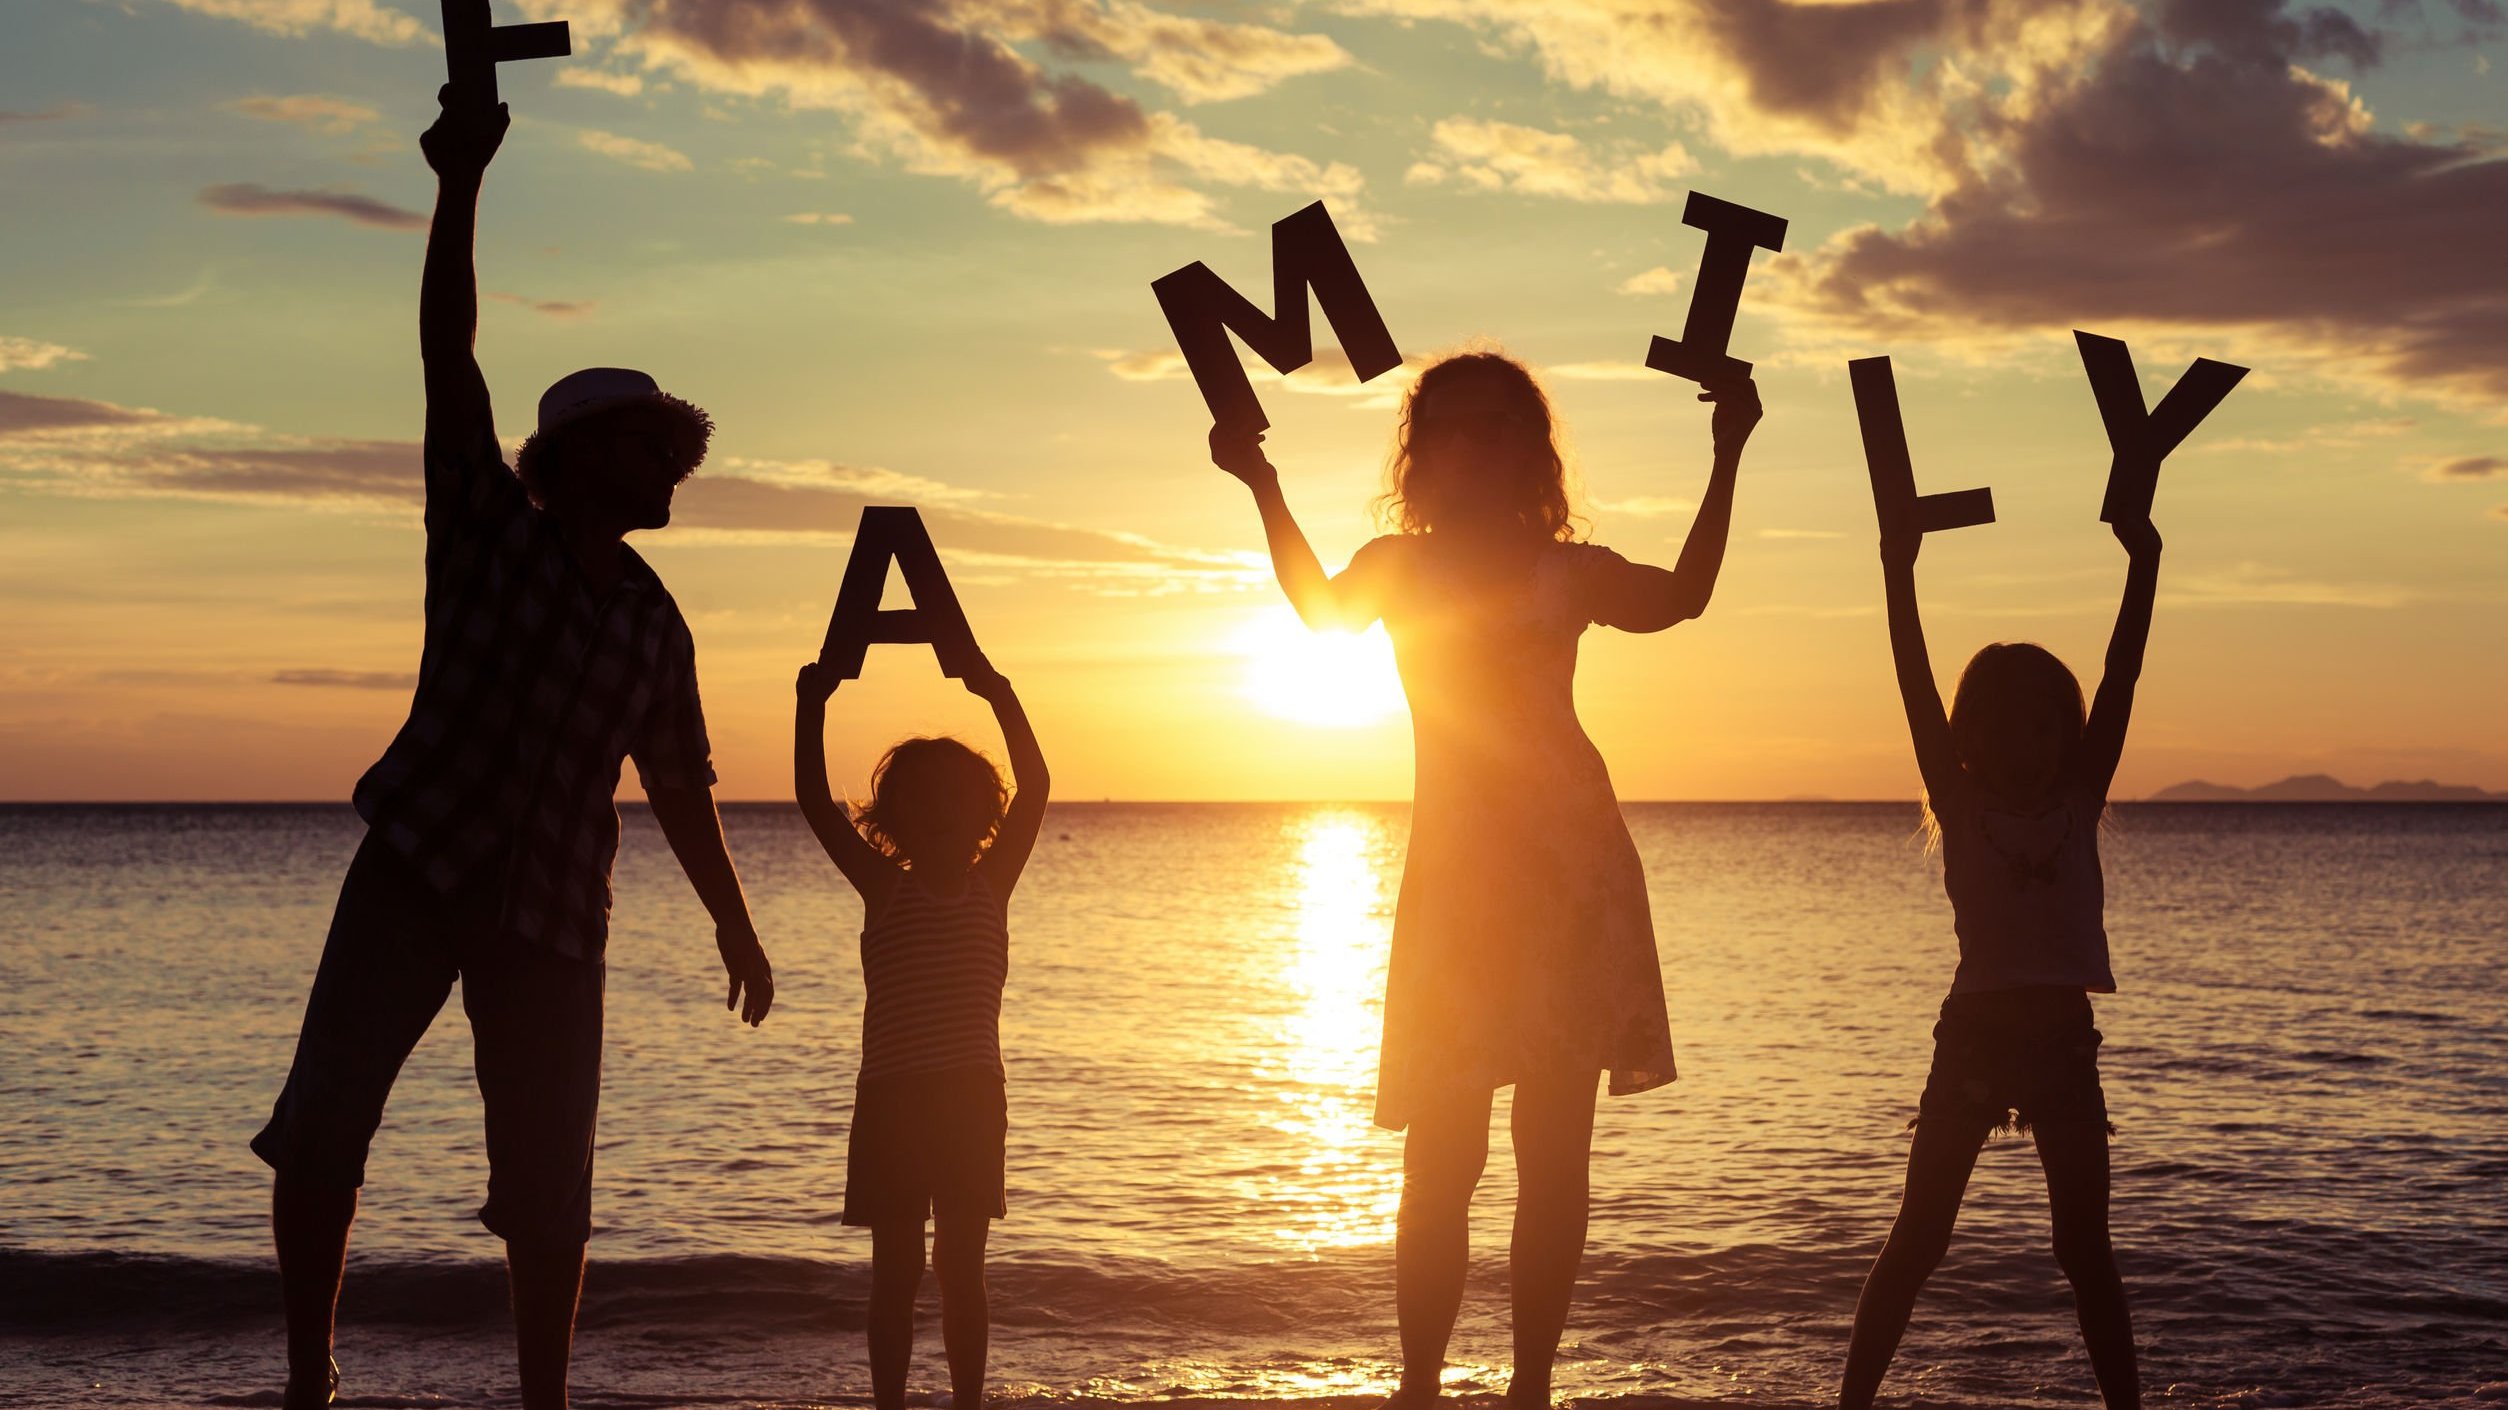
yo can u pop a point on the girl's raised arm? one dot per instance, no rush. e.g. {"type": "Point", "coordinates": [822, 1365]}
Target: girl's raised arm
{"type": "Point", "coordinates": [1008, 856]}
{"type": "Point", "coordinates": [871, 874]}
{"type": "Point", "coordinates": [1348, 602]}
{"type": "Point", "coordinates": [2103, 740]}
{"type": "Point", "coordinates": [1937, 759]}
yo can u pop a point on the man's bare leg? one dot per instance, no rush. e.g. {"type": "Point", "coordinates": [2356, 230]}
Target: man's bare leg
{"type": "Point", "coordinates": [547, 1281]}
{"type": "Point", "coordinates": [309, 1222]}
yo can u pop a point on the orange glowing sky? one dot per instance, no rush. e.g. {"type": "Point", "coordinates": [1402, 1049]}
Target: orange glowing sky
{"type": "Point", "coordinates": [898, 285]}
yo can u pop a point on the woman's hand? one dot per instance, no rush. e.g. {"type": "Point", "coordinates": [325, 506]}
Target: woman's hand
{"type": "Point", "coordinates": [2139, 536]}
{"type": "Point", "coordinates": [816, 683]}
{"type": "Point", "coordinates": [463, 137]}
{"type": "Point", "coordinates": [1898, 551]}
{"type": "Point", "coordinates": [1239, 451]}
{"type": "Point", "coordinates": [1737, 410]}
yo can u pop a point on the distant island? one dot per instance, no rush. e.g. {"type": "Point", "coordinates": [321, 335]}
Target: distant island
{"type": "Point", "coordinates": [2324, 788]}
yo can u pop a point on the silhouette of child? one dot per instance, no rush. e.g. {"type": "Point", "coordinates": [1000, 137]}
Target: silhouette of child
{"type": "Point", "coordinates": [1523, 950]}
{"type": "Point", "coordinates": [2015, 782]}
{"type": "Point", "coordinates": [934, 854]}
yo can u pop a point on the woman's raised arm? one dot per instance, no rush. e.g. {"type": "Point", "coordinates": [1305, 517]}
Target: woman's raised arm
{"type": "Point", "coordinates": [1347, 602]}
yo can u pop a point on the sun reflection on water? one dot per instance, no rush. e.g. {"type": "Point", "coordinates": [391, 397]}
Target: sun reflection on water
{"type": "Point", "coordinates": [1345, 1183]}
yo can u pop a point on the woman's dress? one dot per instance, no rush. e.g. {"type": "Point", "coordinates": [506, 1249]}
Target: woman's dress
{"type": "Point", "coordinates": [1522, 942]}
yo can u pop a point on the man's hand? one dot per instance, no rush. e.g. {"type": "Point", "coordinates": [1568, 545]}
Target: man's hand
{"type": "Point", "coordinates": [985, 683]}
{"type": "Point", "coordinates": [1737, 411]}
{"type": "Point", "coordinates": [2140, 537]}
{"type": "Point", "coordinates": [744, 960]}
{"type": "Point", "coordinates": [1239, 451]}
{"type": "Point", "coordinates": [1898, 551]}
{"type": "Point", "coordinates": [816, 683]}
{"type": "Point", "coordinates": [464, 138]}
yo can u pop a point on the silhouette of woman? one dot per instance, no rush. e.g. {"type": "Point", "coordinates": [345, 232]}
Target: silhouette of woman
{"type": "Point", "coordinates": [1523, 952]}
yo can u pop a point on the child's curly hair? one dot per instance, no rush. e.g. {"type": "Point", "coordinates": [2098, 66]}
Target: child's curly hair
{"type": "Point", "coordinates": [929, 779]}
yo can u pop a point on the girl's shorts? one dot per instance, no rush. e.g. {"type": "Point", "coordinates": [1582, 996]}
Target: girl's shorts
{"type": "Point", "coordinates": [926, 1143]}
{"type": "Point", "coordinates": [2013, 1059]}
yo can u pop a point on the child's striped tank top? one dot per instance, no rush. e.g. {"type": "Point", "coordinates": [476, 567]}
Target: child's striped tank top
{"type": "Point", "coordinates": [932, 972]}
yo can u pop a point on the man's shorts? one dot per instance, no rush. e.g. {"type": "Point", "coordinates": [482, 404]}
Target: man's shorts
{"type": "Point", "coordinates": [396, 945]}
{"type": "Point", "coordinates": [2014, 1059]}
{"type": "Point", "coordinates": [925, 1144]}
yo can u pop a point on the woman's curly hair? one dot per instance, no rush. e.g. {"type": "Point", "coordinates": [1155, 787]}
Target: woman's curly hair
{"type": "Point", "coordinates": [1535, 489]}
{"type": "Point", "coordinates": [928, 776]}
{"type": "Point", "coordinates": [692, 430]}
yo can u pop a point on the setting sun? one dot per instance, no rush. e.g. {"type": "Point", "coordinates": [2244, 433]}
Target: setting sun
{"type": "Point", "coordinates": [1332, 680]}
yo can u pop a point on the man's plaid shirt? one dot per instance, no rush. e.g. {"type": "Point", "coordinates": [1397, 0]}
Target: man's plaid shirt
{"type": "Point", "coordinates": [531, 688]}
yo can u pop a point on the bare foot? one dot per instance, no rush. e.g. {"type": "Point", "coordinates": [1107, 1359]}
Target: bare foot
{"type": "Point", "coordinates": [306, 1393]}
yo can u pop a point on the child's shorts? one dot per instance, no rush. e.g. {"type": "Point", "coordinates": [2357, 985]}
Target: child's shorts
{"type": "Point", "coordinates": [2013, 1059]}
{"type": "Point", "coordinates": [927, 1143]}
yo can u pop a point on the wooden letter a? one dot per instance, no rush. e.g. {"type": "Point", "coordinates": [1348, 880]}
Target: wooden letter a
{"type": "Point", "coordinates": [887, 534]}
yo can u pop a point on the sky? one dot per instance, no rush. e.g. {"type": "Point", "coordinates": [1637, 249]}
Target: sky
{"type": "Point", "coordinates": [901, 250]}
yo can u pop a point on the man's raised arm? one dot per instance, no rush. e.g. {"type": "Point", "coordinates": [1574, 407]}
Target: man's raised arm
{"type": "Point", "coordinates": [460, 427]}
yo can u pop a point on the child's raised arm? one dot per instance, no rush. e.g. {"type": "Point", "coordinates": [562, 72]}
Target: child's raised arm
{"type": "Point", "coordinates": [1008, 856]}
{"type": "Point", "coordinates": [1348, 602]}
{"type": "Point", "coordinates": [2103, 740]}
{"type": "Point", "coordinates": [1937, 759]}
{"type": "Point", "coordinates": [862, 864]}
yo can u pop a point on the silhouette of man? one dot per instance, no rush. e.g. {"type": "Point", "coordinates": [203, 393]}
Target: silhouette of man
{"type": "Point", "coordinates": [552, 652]}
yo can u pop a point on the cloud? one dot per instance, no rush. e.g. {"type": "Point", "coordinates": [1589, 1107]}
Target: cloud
{"type": "Point", "coordinates": [54, 113]}
{"type": "Point", "coordinates": [1801, 534]}
{"type": "Point", "coordinates": [245, 198]}
{"type": "Point", "coordinates": [1481, 155]}
{"type": "Point", "coordinates": [625, 85]}
{"type": "Point", "coordinates": [361, 19]}
{"type": "Point", "coordinates": [1662, 279]}
{"type": "Point", "coordinates": [2468, 467]}
{"type": "Point", "coordinates": [2499, 511]}
{"type": "Point", "coordinates": [34, 354]}
{"type": "Point", "coordinates": [1603, 371]}
{"type": "Point", "coordinates": [1329, 374]}
{"type": "Point", "coordinates": [67, 446]}
{"type": "Point", "coordinates": [819, 218]}
{"type": "Point", "coordinates": [2194, 176]}
{"type": "Point", "coordinates": [2257, 584]}
{"type": "Point", "coordinates": [22, 415]}
{"type": "Point", "coordinates": [966, 91]}
{"type": "Point", "coordinates": [351, 680]}
{"type": "Point", "coordinates": [1646, 506]}
{"type": "Point", "coordinates": [564, 310]}
{"type": "Point", "coordinates": [311, 110]}
{"type": "Point", "coordinates": [652, 156]}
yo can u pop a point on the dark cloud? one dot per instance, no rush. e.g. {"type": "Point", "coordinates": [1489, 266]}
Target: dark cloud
{"type": "Point", "coordinates": [326, 470]}
{"type": "Point", "coordinates": [2213, 184]}
{"type": "Point", "coordinates": [960, 86]}
{"type": "Point", "coordinates": [245, 198]}
{"type": "Point", "coordinates": [1824, 62]}
{"type": "Point", "coordinates": [2262, 32]}
{"type": "Point", "coordinates": [561, 309]}
{"type": "Point", "coordinates": [20, 414]}
{"type": "Point", "coordinates": [54, 113]}
{"type": "Point", "coordinates": [2471, 467]}
{"type": "Point", "coordinates": [349, 680]}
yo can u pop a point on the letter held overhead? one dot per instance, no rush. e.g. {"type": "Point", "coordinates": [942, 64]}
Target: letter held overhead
{"type": "Point", "coordinates": [2140, 440]}
{"type": "Point", "coordinates": [892, 533]}
{"type": "Point", "coordinates": [1306, 252]}
{"type": "Point", "coordinates": [1893, 473]}
{"type": "Point", "coordinates": [1716, 296]}
{"type": "Point", "coordinates": [474, 46]}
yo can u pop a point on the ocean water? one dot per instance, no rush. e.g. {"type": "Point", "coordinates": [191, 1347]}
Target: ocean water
{"type": "Point", "coordinates": [2308, 1065]}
